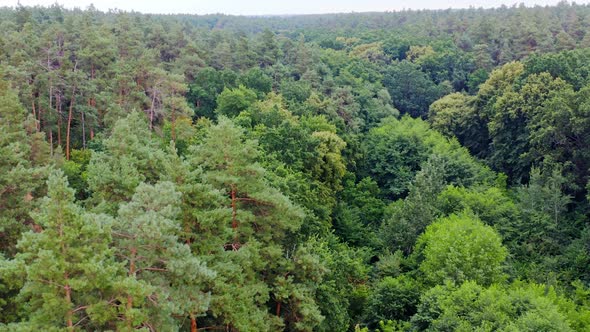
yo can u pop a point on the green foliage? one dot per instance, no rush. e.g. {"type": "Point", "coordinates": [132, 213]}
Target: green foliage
{"type": "Point", "coordinates": [229, 164]}
{"type": "Point", "coordinates": [411, 90]}
{"type": "Point", "coordinates": [343, 292]}
{"type": "Point", "coordinates": [529, 119]}
{"type": "Point", "coordinates": [393, 299]}
{"type": "Point", "coordinates": [164, 279]}
{"type": "Point", "coordinates": [304, 156]}
{"type": "Point", "coordinates": [316, 207]}
{"type": "Point", "coordinates": [261, 221]}
{"type": "Point", "coordinates": [255, 79]}
{"type": "Point", "coordinates": [233, 101]}
{"type": "Point", "coordinates": [456, 115]}
{"type": "Point", "coordinates": [23, 168]}
{"type": "Point", "coordinates": [492, 205]}
{"type": "Point", "coordinates": [66, 269]}
{"type": "Point", "coordinates": [459, 248]}
{"type": "Point", "coordinates": [406, 220]}
{"type": "Point", "coordinates": [448, 114]}
{"type": "Point", "coordinates": [476, 78]}
{"type": "Point", "coordinates": [517, 307]}
{"type": "Point", "coordinates": [359, 212]}
{"type": "Point", "coordinates": [571, 66]}
{"type": "Point", "coordinates": [577, 257]}
{"type": "Point", "coordinates": [543, 205]}
{"type": "Point", "coordinates": [395, 151]}
{"type": "Point", "coordinates": [130, 157]}
{"type": "Point", "coordinates": [446, 64]}
{"type": "Point", "coordinates": [75, 170]}
{"type": "Point", "coordinates": [397, 148]}
{"type": "Point", "coordinates": [298, 91]}
{"type": "Point", "coordinates": [203, 92]}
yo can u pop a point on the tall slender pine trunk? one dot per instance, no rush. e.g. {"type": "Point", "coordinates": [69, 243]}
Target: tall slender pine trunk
{"type": "Point", "coordinates": [69, 127]}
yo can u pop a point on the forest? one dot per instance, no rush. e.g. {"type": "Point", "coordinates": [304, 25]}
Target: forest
{"type": "Point", "coordinates": [422, 170]}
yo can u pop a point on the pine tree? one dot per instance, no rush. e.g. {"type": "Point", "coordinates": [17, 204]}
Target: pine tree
{"type": "Point", "coordinates": [256, 270]}
{"type": "Point", "coordinates": [66, 267]}
{"type": "Point", "coordinates": [130, 156]}
{"type": "Point", "coordinates": [229, 164]}
{"type": "Point", "coordinates": [22, 172]}
{"type": "Point", "coordinates": [164, 279]}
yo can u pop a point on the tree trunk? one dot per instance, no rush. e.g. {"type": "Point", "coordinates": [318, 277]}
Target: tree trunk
{"type": "Point", "coordinates": [187, 230]}
{"type": "Point", "coordinates": [40, 124]}
{"type": "Point", "coordinates": [129, 297]}
{"type": "Point", "coordinates": [91, 103]}
{"type": "Point", "coordinates": [51, 142]}
{"type": "Point", "coordinates": [58, 111]}
{"type": "Point", "coordinates": [69, 314]}
{"type": "Point", "coordinates": [69, 128]}
{"type": "Point", "coordinates": [37, 119]}
{"type": "Point", "coordinates": [278, 309]}
{"type": "Point", "coordinates": [152, 111]}
{"type": "Point", "coordinates": [41, 119]}
{"type": "Point", "coordinates": [83, 129]}
{"type": "Point", "coordinates": [67, 288]}
{"type": "Point", "coordinates": [50, 89]}
{"type": "Point", "coordinates": [234, 220]}
{"type": "Point", "coordinates": [193, 323]}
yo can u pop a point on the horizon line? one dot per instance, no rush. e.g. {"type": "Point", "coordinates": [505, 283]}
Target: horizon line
{"type": "Point", "coordinates": [269, 15]}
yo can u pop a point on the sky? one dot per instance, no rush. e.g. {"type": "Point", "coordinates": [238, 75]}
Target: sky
{"type": "Point", "coordinates": [275, 7]}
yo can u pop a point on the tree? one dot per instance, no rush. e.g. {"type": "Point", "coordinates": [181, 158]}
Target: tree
{"type": "Point", "coordinates": [411, 90]}
{"type": "Point", "coordinates": [570, 66]}
{"type": "Point", "coordinates": [448, 65]}
{"type": "Point", "coordinates": [510, 124]}
{"type": "Point", "coordinates": [499, 82]}
{"type": "Point", "coordinates": [564, 41]}
{"type": "Point", "coordinates": [166, 97]}
{"type": "Point", "coordinates": [543, 205]}
{"type": "Point", "coordinates": [230, 165]}
{"type": "Point", "coordinates": [405, 220]}
{"type": "Point", "coordinates": [459, 248]}
{"type": "Point", "coordinates": [66, 269]}
{"type": "Point", "coordinates": [267, 49]}
{"type": "Point", "coordinates": [164, 278]}
{"type": "Point", "coordinates": [131, 156]}
{"type": "Point", "coordinates": [303, 156]}
{"type": "Point", "coordinates": [190, 63]}
{"type": "Point", "coordinates": [393, 299]}
{"type": "Point", "coordinates": [256, 80]}
{"type": "Point", "coordinates": [233, 101]}
{"type": "Point", "coordinates": [558, 134]}
{"type": "Point", "coordinates": [261, 220]}
{"type": "Point", "coordinates": [203, 92]}
{"type": "Point", "coordinates": [516, 307]}
{"type": "Point", "coordinates": [494, 206]}
{"type": "Point", "coordinates": [456, 115]}
{"type": "Point", "coordinates": [343, 291]}
{"type": "Point", "coordinates": [23, 168]}
{"type": "Point", "coordinates": [396, 150]}
{"type": "Point", "coordinates": [359, 212]}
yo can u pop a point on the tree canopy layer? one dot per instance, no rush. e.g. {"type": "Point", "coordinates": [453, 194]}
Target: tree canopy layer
{"type": "Point", "coordinates": [399, 171]}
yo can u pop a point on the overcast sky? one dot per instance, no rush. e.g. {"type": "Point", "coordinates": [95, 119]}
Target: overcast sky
{"type": "Point", "coordinates": [266, 7]}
